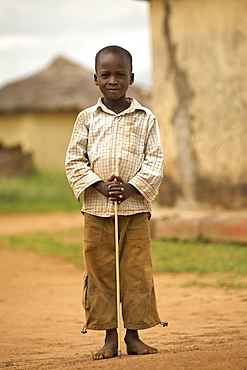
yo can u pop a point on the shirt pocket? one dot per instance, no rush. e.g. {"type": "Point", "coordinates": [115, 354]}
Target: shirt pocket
{"type": "Point", "coordinates": [132, 143]}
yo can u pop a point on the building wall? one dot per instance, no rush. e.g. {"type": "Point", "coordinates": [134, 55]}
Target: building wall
{"type": "Point", "coordinates": [44, 135]}
{"type": "Point", "coordinates": [199, 97]}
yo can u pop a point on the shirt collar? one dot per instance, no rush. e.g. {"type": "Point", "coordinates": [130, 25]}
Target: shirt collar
{"type": "Point", "coordinates": [134, 105]}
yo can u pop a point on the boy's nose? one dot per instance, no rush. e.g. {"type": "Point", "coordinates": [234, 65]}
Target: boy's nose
{"type": "Point", "coordinates": [112, 80]}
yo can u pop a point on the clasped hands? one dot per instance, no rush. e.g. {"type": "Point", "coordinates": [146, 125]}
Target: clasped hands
{"type": "Point", "coordinates": [115, 189]}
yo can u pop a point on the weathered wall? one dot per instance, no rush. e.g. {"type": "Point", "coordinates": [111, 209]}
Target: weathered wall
{"type": "Point", "coordinates": [13, 162]}
{"type": "Point", "coordinates": [200, 84]}
{"type": "Point", "coordinates": [44, 135]}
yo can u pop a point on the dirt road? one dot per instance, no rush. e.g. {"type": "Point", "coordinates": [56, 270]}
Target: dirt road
{"type": "Point", "coordinates": [41, 319]}
{"type": "Point", "coordinates": [41, 315]}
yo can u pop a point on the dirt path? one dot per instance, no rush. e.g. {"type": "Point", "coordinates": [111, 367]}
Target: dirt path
{"type": "Point", "coordinates": [12, 224]}
{"type": "Point", "coordinates": [41, 315]}
{"type": "Point", "coordinates": [41, 319]}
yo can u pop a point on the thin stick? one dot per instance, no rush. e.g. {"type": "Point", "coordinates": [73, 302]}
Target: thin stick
{"type": "Point", "coordinates": [117, 281]}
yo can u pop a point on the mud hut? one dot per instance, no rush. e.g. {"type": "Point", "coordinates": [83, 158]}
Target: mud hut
{"type": "Point", "coordinates": [199, 97]}
{"type": "Point", "coordinates": [38, 112]}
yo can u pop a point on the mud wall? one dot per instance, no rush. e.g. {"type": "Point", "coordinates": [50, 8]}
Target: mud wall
{"type": "Point", "coordinates": [45, 136]}
{"type": "Point", "coordinates": [13, 162]}
{"type": "Point", "coordinates": [199, 97]}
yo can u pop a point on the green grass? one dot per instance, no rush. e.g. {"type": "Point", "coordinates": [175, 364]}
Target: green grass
{"type": "Point", "coordinates": [228, 282]}
{"type": "Point", "coordinates": [8, 363]}
{"type": "Point", "coordinates": [198, 256]}
{"type": "Point", "coordinates": [41, 191]}
{"type": "Point", "coordinates": [168, 255]}
{"type": "Point", "coordinates": [66, 245]}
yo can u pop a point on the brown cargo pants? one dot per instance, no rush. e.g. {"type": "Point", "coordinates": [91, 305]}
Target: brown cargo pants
{"type": "Point", "coordinates": [138, 300]}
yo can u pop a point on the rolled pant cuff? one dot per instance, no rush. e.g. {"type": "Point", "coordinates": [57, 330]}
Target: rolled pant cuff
{"type": "Point", "coordinates": [110, 327]}
{"type": "Point", "coordinates": [142, 327]}
{"type": "Point", "coordinates": [128, 327]}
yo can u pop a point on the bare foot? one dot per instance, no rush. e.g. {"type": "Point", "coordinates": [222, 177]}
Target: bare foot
{"type": "Point", "coordinates": [110, 348]}
{"type": "Point", "coordinates": [135, 346]}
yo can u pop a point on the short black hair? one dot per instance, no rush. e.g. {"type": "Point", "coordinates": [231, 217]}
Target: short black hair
{"type": "Point", "coordinates": [114, 50]}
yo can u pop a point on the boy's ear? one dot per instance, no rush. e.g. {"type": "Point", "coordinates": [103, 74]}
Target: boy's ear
{"type": "Point", "coordinates": [132, 78]}
{"type": "Point", "coordinates": [96, 79]}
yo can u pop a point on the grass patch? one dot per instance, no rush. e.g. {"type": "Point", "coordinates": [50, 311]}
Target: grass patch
{"type": "Point", "coordinates": [198, 256]}
{"type": "Point", "coordinates": [41, 191]}
{"type": "Point", "coordinates": [168, 255]}
{"type": "Point", "coordinates": [66, 245]}
{"type": "Point", "coordinates": [228, 283]}
{"type": "Point", "coordinates": [8, 363]}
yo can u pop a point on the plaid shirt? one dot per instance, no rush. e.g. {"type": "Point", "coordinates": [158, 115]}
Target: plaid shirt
{"type": "Point", "coordinates": [126, 144]}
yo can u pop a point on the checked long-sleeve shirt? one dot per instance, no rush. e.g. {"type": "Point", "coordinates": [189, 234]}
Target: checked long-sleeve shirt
{"type": "Point", "coordinates": [126, 144]}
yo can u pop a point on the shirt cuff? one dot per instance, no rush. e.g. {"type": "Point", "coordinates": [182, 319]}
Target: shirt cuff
{"type": "Point", "coordinates": [85, 184]}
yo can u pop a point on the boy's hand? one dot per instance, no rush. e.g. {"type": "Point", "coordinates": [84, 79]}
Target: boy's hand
{"type": "Point", "coordinates": [102, 187]}
{"type": "Point", "coordinates": [115, 189]}
{"type": "Point", "coordinates": [119, 190]}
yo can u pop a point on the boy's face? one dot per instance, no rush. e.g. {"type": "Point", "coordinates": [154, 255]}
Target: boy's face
{"type": "Point", "coordinates": [113, 75]}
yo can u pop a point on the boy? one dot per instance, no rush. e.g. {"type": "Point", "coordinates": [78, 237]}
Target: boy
{"type": "Point", "coordinates": [115, 155]}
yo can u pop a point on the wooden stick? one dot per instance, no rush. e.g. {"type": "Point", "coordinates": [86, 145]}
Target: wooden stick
{"type": "Point", "coordinates": [117, 280]}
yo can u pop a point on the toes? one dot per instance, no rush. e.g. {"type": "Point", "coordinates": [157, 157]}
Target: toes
{"type": "Point", "coordinates": [98, 356]}
{"type": "Point", "coordinates": [144, 351]}
{"type": "Point", "coordinates": [101, 356]}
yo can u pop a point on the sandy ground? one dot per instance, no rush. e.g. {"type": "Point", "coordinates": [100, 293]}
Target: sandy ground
{"type": "Point", "coordinates": [41, 318]}
{"type": "Point", "coordinates": [14, 223]}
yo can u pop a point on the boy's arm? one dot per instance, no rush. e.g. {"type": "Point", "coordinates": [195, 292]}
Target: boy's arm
{"type": "Point", "coordinates": [147, 180]}
{"type": "Point", "coordinates": [77, 166]}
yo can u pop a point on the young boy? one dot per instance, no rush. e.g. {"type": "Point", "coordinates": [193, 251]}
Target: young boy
{"type": "Point", "coordinates": [115, 155]}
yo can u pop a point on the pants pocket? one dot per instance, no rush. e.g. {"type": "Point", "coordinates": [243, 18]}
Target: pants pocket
{"type": "Point", "coordinates": [85, 292]}
{"type": "Point", "coordinates": [93, 229]}
{"type": "Point", "coordinates": [139, 228]}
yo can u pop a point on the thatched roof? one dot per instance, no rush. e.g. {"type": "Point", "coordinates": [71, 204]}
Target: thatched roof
{"type": "Point", "coordinates": [62, 86]}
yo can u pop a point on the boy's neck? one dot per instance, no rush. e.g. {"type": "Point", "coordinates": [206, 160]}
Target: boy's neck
{"type": "Point", "coordinates": [116, 106]}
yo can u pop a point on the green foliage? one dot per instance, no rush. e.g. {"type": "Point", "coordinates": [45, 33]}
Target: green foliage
{"type": "Point", "coordinates": [41, 191]}
{"type": "Point", "coordinates": [168, 255]}
{"type": "Point", "coordinates": [66, 245]}
{"type": "Point", "coordinates": [199, 256]}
